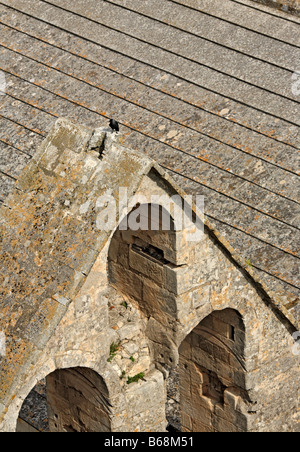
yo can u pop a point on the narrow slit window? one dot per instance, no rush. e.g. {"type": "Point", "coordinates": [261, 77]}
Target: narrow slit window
{"type": "Point", "coordinates": [231, 332]}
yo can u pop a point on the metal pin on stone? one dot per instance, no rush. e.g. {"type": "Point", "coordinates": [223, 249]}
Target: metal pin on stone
{"type": "Point", "coordinates": [114, 125]}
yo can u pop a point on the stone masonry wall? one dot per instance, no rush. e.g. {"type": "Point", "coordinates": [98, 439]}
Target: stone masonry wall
{"type": "Point", "coordinates": [143, 266]}
{"type": "Point", "coordinates": [212, 375]}
{"type": "Point", "coordinates": [94, 321]}
{"type": "Point", "coordinates": [211, 281]}
{"type": "Point", "coordinates": [78, 401]}
{"type": "Point", "coordinates": [96, 331]}
{"type": "Point", "coordinates": [271, 368]}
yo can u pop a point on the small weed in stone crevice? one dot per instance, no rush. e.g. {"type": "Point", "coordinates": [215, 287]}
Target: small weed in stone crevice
{"type": "Point", "coordinates": [114, 348]}
{"type": "Point", "coordinates": [136, 378]}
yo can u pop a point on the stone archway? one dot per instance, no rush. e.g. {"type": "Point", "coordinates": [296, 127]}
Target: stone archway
{"type": "Point", "coordinates": [212, 374]}
{"type": "Point", "coordinates": [142, 264]}
{"type": "Point", "coordinates": [33, 415]}
{"type": "Point", "coordinates": [76, 400]}
{"type": "Point", "coordinates": [140, 254]}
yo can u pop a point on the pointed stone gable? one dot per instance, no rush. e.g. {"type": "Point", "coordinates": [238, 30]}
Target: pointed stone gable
{"type": "Point", "coordinates": [130, 304]}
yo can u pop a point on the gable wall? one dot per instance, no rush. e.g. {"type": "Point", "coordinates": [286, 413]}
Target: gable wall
{"type": "Point", "coordinates": [213, 282]}
{"type": "Point", "coordinates": [208, 283]}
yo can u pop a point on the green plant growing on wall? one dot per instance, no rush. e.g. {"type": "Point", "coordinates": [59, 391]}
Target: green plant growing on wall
{"type": "Point", "coordinates": [114, 348]}
{"type": "Point", "coordinates": [136, 378]}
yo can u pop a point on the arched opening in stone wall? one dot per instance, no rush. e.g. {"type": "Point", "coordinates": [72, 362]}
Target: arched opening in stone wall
{"type": "Point", "coordinates": [142, 262]}
{"type": "Point", "coordinates": [68, 400]}
{"type": "Point", "coordinates": [33, 416]}
{"type": "Point", "coordinates": [212, 375]}
{"type": "Point", "coordinates": [142, 252]}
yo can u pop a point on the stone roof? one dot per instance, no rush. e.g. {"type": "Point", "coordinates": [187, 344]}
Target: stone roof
{"type": "Point", "coordinates": [204, 88]}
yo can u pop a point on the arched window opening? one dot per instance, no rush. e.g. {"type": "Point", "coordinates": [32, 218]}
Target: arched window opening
{"type": "Point", "coordinates": [71, 400]}
{"type": "Point", "coordinates": [212, 373]}
{"type": "Point", "coordinates": [142, 250]}
{"type": "Point", "coordinates": [33, 416]}
{"type": "Point", "coordinates": [142, 262]}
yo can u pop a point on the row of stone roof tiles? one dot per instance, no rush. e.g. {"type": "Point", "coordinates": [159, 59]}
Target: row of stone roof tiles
{"type": "Point", "coordinates": [196, 85]}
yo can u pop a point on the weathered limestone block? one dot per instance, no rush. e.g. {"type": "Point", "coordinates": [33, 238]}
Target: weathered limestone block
{"type": "Point", "coordinates": [165, 349]}
{"type": "Point", "coordinates": [148, 267]}
{"type": "Point", "coordinates": [150, 393]}
{"type": "Point", "coordinates": [159, 302]}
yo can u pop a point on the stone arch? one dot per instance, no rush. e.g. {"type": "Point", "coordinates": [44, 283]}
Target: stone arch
{"type": "Point", "coordinates": [142, 249]}
{"type": "Point", "coordinates": [77, 400]}
{"type": "Point", "coordinates": [149, 264]}
{"type": "Point", "coordinates": [212, 374]}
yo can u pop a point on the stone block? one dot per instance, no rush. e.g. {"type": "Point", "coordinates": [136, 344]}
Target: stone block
{"type": "Point", "coordinates": [97, 139]}
{"type": "Point", "coordinates": [145, 394]}
{"type": "Point", "coordinates": [114, 249]}
{"type": "Point", "coordinates": [192, 300]}
{"type": "Point", "coordinates": [186, 422]}
{"type": "Point", "coordinates": [223, 425]}
{"type": "Point", "coordinates": [65, 135]}
{"type": "Point", "coordinates": [197, 412]}
{"type": "Point", "coordinates": [130, 331]}
{"type": "Point", "coordinates": [147, 266]}
{"type": "Point", "coordinates": [185, 279]}
{"type": "Point", "coordinates": [186, 349]}
{"type": "Point", "coordinates": [131, 348]}
{"type": "Point", "coordinates": [127, 282]}
{"type": "Point", "coordinates": [202, 428]}
{"type": "Point", "coordinates": [233, 399]}
{"type": "Point", "coordinates": [158, 300]}
{"type": "Point", "coordinates": [149, 421]}
{"type": "Point", "coordinates": [164, 349]}
{"type": "Point", "coordinates": [177, 279]}
{"type": "Point", "coordinates": [221, 354]}
{"type": "Point", "coordinates": [142, 364]}
{"type": "Point", "coordinates": [186, 248]}
{"type": "Point", "coordinates": [123, 255]}
{"type": "Point", "coordinates": [201, 296]}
